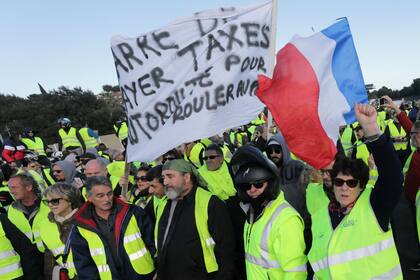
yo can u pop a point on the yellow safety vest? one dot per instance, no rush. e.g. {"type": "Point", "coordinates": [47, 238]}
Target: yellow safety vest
{"type": "Point", "coordinates": [316, 198]}
{"type": "Point", "coordinates": [36, 145]}
{"type": "Point", "coordinates": [123, 132]}
{"type": "Point", "coordinates": [394, 133]}
{"type": "Point", "coordinates": [90, 142]}
{"type": "Point", "coordinates": [139, 256]}
{"type": "Point", "coordinates": [51, 238]}
{"type": "Point", "coordinates": [195, 153]}
{"type": "Point", "coordinates": [22, 223]}
{"type": "Point", "coordinates": [104, 155]}
{"type": "Point", "coordinates": [362, 151]}
{"type": "Point", "coordinates": [219, 181]}
{"type": "Point", "coordinates": [70, 139]}
{"type": "Point", "coordinates": [356, 249]}
{"type": "Point", "coordinates": [10, 267]}
{"type": "Point", "coordinates": [345, 139]}
{"type": "Point", "coordinates": [268, 255]}
{"type": "Point", "coordinates": [47, 176]}
{"type": "Point", "coordinates": [408, 162]}
{"type": "Point", "coordinates": [202, 198]}
{"type": "Point", "coordinates": [381, 120]}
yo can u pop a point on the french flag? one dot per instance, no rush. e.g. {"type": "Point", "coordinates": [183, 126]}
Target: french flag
{"type": "Point", "coordinates": [316, 82]}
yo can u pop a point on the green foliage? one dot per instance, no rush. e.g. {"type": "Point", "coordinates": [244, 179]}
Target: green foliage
{"type": "Point", "coordinates": [410, 92]}
{"type": "Point", "coordinates": [41, 111]}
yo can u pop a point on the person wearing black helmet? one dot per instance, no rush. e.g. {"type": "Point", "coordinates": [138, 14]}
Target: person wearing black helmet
{"type": "Point", "coordinates": [273, 233]}
{"type": "Point", "coordinates": [70, 138]}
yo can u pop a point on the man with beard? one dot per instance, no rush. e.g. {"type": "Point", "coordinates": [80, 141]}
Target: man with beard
{"type": "Point", "coordinates": [194, 223]}
{"type": "Point", "coordinates": [273, 232]}
{"type": "Point", "coordinates": [277, 151]}
{"type": "Point", "coordinates": [111, 239]}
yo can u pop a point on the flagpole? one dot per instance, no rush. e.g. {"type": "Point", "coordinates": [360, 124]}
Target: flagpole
{"type": "Point", "coordinates": [272, 57]}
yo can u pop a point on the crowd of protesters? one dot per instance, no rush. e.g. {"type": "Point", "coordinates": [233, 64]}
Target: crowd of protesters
{"type": "Point", "coordinates": [232, 206]}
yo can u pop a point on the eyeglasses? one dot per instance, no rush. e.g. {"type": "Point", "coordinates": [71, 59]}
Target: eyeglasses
{"type": "Point", "coordinates": [167, 158]}
{"type": "Point", "coordinates": [248, 186]}
{"type": "Point", "coordinates": [413, 133]}
{"type": "Point", "coordinates": [54, 201]}
{"type": "Point", "coordinates": [274, 150]}
{"type": "Point", "coordinates": [352, 183]}
{"type": "Point", "coordinates": [141, 178]}
{"type": "Point", "coordinates": [57, 171]}
{"type": "Point", "coordinates": [210, 157]}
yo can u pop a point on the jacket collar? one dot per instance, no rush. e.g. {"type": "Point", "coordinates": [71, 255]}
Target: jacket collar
{"type": "Point", "coordinates": [84, 217]}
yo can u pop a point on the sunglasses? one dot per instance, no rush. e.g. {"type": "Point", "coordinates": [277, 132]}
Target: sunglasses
{"type": "Point", "coordinates": [352, 183]}
{"type": "Point", "coordinates": [57, 171]}
{"type": "Point", "coordinates": [54, 201]}
{"type": "Point", "coordinates": [141, 178]}
{"type": "Point", "coordinates": [210, 157]}
{"type": "Point", "coordinates": [248, 186]}
{"type": "Point", "coordinates": [274, 150]}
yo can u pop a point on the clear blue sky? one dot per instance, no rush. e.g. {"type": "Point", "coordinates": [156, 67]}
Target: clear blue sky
{"type": "Point", "coordinates": [68, 42]}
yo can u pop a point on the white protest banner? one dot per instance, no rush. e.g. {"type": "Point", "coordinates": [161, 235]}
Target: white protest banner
{"type": "Point", "coordinates": [193, 78]}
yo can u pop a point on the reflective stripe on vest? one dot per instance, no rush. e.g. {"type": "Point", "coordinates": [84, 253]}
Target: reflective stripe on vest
{"type": "Point", "coordinates": [36, 145]}
{"type": "Point", "coordinates": [353, 255]}
{"type": "Point", "coordinates": [97, 252]}
{"type": "Point", "coordinates": [261, 261]}
{"type": "Point", "coordinates": [70, 139]}
{"type": "Point", "coordinates": [373, 176]}
{"type": "Point", "coordinates": [140, 258]}
{"type": "Point", "coordinates": [356, 249]}
{"type": "Point", "coordinates": [22, 223]}
{"type": "Point", "coordinates": [90, 142]}
{"type": "Point", "coordinates": [50, 236]}
{"type": "Point", "coordinates": [202, 198]}
{"type": "Point", "coordinates": [10, 267]}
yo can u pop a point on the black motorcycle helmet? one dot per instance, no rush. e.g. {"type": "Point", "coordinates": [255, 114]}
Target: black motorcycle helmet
{"type": "Point", "coordinates": [250, 165]}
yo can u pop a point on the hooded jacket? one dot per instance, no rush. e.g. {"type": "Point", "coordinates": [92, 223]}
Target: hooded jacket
{"type": "Point", "coordinates": [278, 139]}
{"type": "Point", "coordinates": [69, 170]}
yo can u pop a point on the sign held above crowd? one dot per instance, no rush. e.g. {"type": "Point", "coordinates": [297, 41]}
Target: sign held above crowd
{"type": "Point", "coordinates": [193, 78]}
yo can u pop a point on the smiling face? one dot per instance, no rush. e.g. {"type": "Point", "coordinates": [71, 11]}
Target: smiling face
{"type": "Point", "coordinates": [58, 204]}
{"type": "Point", "coordinates": [344, 194]}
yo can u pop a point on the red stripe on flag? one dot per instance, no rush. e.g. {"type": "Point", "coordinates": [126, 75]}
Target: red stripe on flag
{"type": "Point", "coordinates": [292, 98]}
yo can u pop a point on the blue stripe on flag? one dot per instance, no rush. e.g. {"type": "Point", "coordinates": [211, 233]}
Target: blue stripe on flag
{"type": "Point", "coordinates": [346, 67]}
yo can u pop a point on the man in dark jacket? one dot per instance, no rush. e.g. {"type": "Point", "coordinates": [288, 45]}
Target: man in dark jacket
{"type": "Point", "coordinates": [193, 230]}
{"type": "Point", "coordinates": [111, 239]}
{"type": "Point", "coordinates": [29, 263]}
